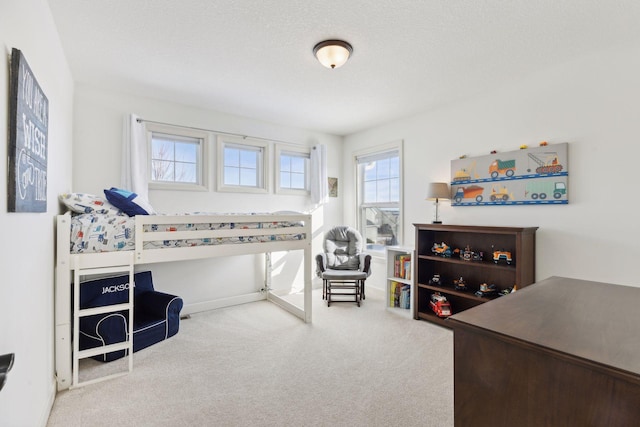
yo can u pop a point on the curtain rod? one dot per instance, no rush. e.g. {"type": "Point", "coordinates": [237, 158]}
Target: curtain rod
{"type": "Point", "coordinates": [139, 120]}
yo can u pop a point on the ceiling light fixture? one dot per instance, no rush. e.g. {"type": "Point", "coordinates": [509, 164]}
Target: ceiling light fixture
{"type": "Point", "coordinates": [333, 53]}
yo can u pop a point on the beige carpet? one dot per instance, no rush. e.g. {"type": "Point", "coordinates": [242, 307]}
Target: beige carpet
{"type": "Point", "coordinates": [257, 365]}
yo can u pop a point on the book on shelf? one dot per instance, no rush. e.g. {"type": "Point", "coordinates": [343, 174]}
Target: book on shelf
{"type": "Point", "coordinates": [405, 297]}
{"type": "Point", "coordinates": [392, 293]}
{"type": "Point", "coordinates": [402, 266]}
{"type": "Point", "coordinates": [399, 295]}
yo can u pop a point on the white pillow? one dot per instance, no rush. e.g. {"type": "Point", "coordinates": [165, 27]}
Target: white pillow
{"type": "Point", "coordinates": [88, 203]}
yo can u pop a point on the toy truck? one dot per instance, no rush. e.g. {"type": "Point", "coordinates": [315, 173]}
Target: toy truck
{"type": "Point", "coordinates": [440, 305]}
{"type": "Point", "coordinates": [465, 174]}
{"type": "Point", "coordinates": [487, 290]}
{"type": "Point", "coordinates": [501, 194]}
{"type": "Point", "coordinates": [471, 192]}
{"type": "Point", "coordinates": [541, 189]}
{"type": "Point", "coordinates": [442, 250]}
{"type": "Point", "coordinates": [550, 164]}
{"type": "Point", "coordinates": [502, 256]}
{"type": "Point", "coordinates": [497, 167]}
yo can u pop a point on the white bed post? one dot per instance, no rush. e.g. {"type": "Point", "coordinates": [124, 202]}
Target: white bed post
{"type": "Point", "coordinates": [308, 272]}
{"type": "Point", "coordinates": [63, 303]}
{"type": "Point", "coordinates": [268, 271]}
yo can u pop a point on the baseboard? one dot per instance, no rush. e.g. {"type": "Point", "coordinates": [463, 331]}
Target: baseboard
{"type": "Point", "coordinates": [52, 398]}
{"type": "Point", "coordinates": [222, 302]}
{"type": "Point", "coordinates": [375, 291]}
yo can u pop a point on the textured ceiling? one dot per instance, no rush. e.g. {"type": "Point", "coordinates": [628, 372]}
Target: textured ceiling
{"type": "Point", "coordinates": [254, 57]}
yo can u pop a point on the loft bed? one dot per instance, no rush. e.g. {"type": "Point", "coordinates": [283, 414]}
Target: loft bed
{"type": "Point", "coordinates": [86, 246]}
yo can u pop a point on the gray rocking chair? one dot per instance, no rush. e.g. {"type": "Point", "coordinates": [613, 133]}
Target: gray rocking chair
{"type": "Point", "coordinates": [343, 266]}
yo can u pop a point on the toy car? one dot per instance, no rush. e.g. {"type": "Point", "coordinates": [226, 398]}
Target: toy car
{"type": "Point", "coordinates": [506, 291]}
{"type": "Point", "coordinates": [486, 290]}
{"type": "Point", "coordinates": [442, 250]}
{"type": "Point", "coordinates": [440, 305]}
{"type": "Point", "coordinates": [460, 284]}
{"type": "Point", "coordinates": [502, 255]}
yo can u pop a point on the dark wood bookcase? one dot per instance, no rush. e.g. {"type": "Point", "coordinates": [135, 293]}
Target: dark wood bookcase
{"type": "Point", "coordinates": [520, 241]}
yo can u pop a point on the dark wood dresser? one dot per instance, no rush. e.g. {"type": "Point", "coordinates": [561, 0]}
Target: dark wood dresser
{"type": "Point", "coordinates": [561, 352]}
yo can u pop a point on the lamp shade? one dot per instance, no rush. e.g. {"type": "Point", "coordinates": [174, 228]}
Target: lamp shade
{"type": "Point", "coordinates": [438, 190]}
{"type": "Point", "coordinates": [333, 53]}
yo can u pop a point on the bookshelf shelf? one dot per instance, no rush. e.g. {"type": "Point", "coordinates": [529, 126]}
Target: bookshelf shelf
{"type": "Point", "coordinates": [519, 242]}
{"type": "Point", "coordinates": [399, 281]}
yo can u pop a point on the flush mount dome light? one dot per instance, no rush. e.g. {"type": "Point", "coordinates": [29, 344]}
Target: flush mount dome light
{"type": "Point", "coordinates": [332, 53]}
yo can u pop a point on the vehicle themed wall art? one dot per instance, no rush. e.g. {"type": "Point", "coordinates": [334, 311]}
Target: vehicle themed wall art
{"type": "Point", "coordinates": [529, 176]}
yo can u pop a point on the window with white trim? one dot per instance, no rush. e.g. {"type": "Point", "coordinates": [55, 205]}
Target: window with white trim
{"type": "Point", "coordinates": [177, 157]}
{"type": "Point", "coordinates": [379, 181]}
{"type": "Point", "coordinates": [242, 165]}
{"type": "Point", "coordinates": [292, 175]}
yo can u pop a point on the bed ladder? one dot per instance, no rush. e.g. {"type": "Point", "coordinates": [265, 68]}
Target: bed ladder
{"type": "Point", "coordinates": [125, 265]}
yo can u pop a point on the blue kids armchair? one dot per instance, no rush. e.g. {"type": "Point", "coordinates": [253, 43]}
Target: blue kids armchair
{"type": "Point", "coordinates": [156, 315]}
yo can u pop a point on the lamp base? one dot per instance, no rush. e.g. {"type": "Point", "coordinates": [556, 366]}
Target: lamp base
{"type": "Point", "coordinates": [436, 222]}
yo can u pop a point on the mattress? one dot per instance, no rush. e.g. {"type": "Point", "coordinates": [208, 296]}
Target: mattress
{"type": "Point", "coordinates": [91, 233]}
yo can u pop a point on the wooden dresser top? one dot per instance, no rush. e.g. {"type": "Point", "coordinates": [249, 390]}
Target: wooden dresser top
{"type": "Point", "coordinates": [597, 322]}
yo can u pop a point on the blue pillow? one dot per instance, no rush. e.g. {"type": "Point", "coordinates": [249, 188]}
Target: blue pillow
{"type": "Point", "coordinates": [130, 203]}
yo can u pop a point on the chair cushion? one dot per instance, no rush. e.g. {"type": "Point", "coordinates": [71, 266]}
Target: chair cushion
{"type": "Point", "coordinates": [343, 246]}
{"type": "Point", "coordinates": [344, 275]}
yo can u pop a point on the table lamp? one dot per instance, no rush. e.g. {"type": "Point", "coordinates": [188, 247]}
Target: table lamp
{"type": "Point", "coordinates": [438, 191]}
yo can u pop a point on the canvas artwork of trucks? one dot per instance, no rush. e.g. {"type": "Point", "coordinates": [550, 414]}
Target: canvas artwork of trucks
{"type": "Point", "coordinates": [506, 167]}
{"type": "Point", "coordinates": [550, 164]}
{"type": "Point", "coordinates": [501, 194]}
{"type": "Point", "coordinates": [541, 189]}
{"type": "Point", "coordinates": [470, 192]}
{"type": "Point", "coordinates": [466, 173]}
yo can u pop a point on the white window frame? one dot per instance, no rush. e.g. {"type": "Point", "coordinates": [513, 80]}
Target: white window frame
{"type": "Point", "coordinates": [291, 150]}
{"type": "Point", "coordinates": [373, 152]}
{"type": "Point", "coordinates": [202, 161]}
{"type": "Point", "coordinates": [263, 166]}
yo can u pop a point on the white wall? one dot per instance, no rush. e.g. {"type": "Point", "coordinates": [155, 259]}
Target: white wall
{"type": "Point", "coordinates": [97, 153]}
{"type": "Point", "coordinates": [592, 103]}
{"type": "Point", "coordinates": [26, 318]}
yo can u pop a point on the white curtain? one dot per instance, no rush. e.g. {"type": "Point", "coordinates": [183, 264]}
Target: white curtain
{"type": "Point", "coordinates": [134, 157]}
{"type": "Point", "coordinates": [319, 182]}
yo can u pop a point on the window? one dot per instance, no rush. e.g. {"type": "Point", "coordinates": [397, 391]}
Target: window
{"type": "Point", "coordinates": [242, 166]}
{"type": "Point", "coordinates": [380, 196]}
{"type": "Point", "coordinates": [177, 157]}
{"type": "Point", "coordinates": [292, 176]}
{"type": "Point", "coordinates": [174, 159]}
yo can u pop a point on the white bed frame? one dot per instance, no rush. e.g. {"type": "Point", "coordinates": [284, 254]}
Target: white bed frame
{"type": "Point", "coordinates": [78, 265]}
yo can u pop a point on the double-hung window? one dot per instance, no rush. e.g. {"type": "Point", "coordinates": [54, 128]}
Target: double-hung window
{"type": "Point", "coordinates": [292, 176]}
{"type": "Point", "coordinates": [242, 165]}
{"type": "Point", "coordinates": [379, 181]}
{"type": "Point", "coordinates": [177, 157]}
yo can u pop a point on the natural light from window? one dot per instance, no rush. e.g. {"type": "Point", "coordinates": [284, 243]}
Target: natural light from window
{"type": "Point", "coordinates": [379, 180]}
{"type": "Point", "coordinates": [175, 159]}
{"type": "Point", "coordinates": [241, 166]}
{"type": "Point", "coordinates": [293, 171]}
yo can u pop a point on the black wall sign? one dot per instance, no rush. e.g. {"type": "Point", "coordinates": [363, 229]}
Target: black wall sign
{"type": "Point", "coordinates": [28, 144]}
